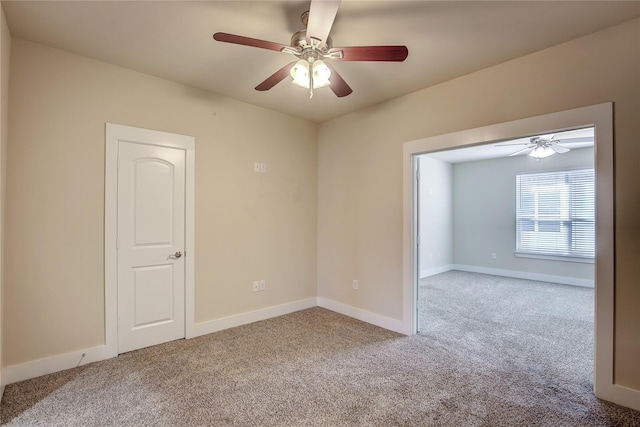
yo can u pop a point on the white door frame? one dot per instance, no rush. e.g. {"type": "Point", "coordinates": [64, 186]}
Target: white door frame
{"type": "Point", "coordinates": [114, 134]}
{"type": "Point", "coordinates": [601, 117]}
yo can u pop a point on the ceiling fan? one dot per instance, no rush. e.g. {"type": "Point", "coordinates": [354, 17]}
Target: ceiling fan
{"type": "Point", "coordinates": [546, 145]}
{"type": "Point", "coordinates": [314, 51]}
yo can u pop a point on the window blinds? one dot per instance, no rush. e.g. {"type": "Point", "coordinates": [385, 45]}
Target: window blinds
{"type": "Point", "coordinates": [555, 213]}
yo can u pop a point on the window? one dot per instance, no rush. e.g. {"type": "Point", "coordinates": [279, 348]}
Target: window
{"type": "Point", "coordinates": [555, 214]}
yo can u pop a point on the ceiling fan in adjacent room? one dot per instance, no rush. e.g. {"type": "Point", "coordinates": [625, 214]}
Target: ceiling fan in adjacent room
{"type": "Point", "coordinates": [543, 146]}
{"type": "Point", "coordinates": [314, 51]}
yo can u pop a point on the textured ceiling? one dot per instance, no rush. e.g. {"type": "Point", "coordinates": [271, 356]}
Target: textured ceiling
{"type": "Point", "coordinates": [173, 40]}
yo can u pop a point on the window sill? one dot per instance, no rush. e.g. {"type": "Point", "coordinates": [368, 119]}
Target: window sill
{"type": "Point", "coordinates": [555, 257]}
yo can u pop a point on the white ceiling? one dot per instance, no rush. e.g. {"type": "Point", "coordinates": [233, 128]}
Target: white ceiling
{"type": "Point", "coordinates": [173, 40]}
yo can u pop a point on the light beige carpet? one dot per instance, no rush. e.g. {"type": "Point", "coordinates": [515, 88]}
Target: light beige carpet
{"type": "Point", "coordinates": [319, 368]}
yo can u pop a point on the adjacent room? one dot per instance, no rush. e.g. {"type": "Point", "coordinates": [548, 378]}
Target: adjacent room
{"type": "Point", "coordinates": [205, 209]}
{"type": "Point", "coordinates": [506, 252]}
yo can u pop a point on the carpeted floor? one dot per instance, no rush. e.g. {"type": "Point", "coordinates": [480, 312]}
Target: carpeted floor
{"type": "Point", "coordinates": [319, 368]}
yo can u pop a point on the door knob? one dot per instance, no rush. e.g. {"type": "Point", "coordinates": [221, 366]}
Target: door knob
{"type": "Point", "coordinates": [177, 255]}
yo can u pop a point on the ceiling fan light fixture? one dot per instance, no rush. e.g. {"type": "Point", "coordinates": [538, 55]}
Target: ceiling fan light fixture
{"type": "Point", "coordinates": [300, 73]}
{"type": "Point", "coordinates": [321, 74]}
{"type": "Point", "coordinates": [541, 152]}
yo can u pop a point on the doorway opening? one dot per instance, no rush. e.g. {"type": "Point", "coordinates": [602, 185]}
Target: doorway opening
{"type": "Point", "coordinates": [600, 118]}
{"type": "Point", "coordinates": [506, 253]}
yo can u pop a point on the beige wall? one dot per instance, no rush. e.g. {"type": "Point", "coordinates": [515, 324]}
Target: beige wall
{"type": "Point", "coordinates": [249, 226]}
{"type": "Point", "coordinates": [5, 48]}
{"type": "Point", "coordinates": [360, 167]}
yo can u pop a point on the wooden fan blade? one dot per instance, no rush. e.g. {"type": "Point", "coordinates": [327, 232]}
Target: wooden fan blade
{"type": "Point", "coordinates": [337, 83]}
{"type": "Point", "coordinates": [248, 41]}
{"type": "Point", "coordinates": [276, 77]}
{"type": "Point", "coordinates": [371, 53]}
{"type": "Point", "coordinates": [521, 151]}
{"type": "Point", "coordinates": [322, 13]}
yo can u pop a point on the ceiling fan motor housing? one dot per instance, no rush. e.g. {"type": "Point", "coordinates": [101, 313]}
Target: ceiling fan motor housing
{"type": "Point", "coordinates": [305, 50]}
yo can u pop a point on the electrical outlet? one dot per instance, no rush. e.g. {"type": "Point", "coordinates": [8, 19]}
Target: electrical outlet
{"type": "Point", "coordinates": [256, 286]}
{"type": "Point", "coordinates": [494, 255]}
{"type": "Point", "coordinates": [256, 167]}
{"type": "Point", "coordinates": [263, 167]}
{"type": "Point", "coordinates": [262, 285]}
{"type": "Point", "coordinates": [355, 284]}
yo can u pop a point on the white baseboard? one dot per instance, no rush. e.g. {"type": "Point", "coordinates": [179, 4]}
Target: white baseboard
{"type": "Point", "coordinates": [435, 270]}
{"type": "Point", "coordinates": [564, 280]}
{"type": "Point", "coordinates": [61, 362]}
{"type": "Point", "coordinates": [366, 316]}
{"type": "Point", "coordinates": [620, 395]}
{"type": "Point", "coordinates": [251, 316]}
{"type": "Point", "coordinates": [49, 365]}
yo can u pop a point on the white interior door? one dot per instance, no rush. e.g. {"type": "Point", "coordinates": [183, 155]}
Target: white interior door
{"type": "Point", "coordinates": [150, 245]}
